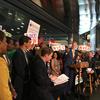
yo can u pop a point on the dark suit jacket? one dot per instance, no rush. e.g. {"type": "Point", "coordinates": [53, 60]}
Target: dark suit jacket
{"type": "Point", "coordinates": [19, 72]}
{"type": "Point", "coordinates": [70, 72]}
{"type": "Point", "coordinates": [40, 82]}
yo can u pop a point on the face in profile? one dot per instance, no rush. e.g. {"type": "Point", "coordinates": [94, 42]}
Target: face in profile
{"type": "Point", "coordinates": [28, 45]}
{"type": "Point", "coordinates": [3, 45]}
{"type": "Point", "coordinates": [55, 55]}
{"type": "Point", "coordinates": [90, 54]}
{"type": "Point", "coordinates": [48, 57]}
{"type": "Point", "coordinates": [74, 45]}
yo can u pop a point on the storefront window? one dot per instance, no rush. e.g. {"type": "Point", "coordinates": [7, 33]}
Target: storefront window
{"type": "Point", "coordinates": [13, 20]}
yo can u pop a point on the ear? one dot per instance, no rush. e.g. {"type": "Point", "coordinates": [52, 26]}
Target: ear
{"type": "Point", "coordinates": [0, 42]}
{"type": "Point", "coordinates": [45, 55]}
{"type": "Point", "coordinates": [25, 43]}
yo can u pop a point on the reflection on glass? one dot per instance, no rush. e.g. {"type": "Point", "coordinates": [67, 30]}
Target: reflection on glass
{"type": "Point", "coordinates": [13, 21]}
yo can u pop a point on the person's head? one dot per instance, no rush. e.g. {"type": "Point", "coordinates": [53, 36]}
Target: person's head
{"type": "Point", "coordinates": [90, 54]}
{"type": "Point", "coordinates": [10, 43]}
{"type": "Point", "coordinates": [55, 54]}
{"type": "Point", "coordinates": [3, 43]}
{"type": "Point", "coordinates": [74, 45]}
{"type": "Point", "coordinates": [79, 53]}
{"type": "Point", "coordinates": [46, 53]}
{"type": "Point", "coordinates": [66, 48]}
{"type": "Point", "coordinates": [25, 42]}
{"type": "Point", "coordinates": [97, 55]}
{"type": "Point", "coordinates": [16, 44]}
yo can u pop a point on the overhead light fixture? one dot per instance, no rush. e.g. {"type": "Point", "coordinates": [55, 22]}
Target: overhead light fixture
{"type": "Point", "coordinates": [18, 28]}
{"type": "Point", "coordinates": [9, 13]}
{"type": "Point", "coordinates": [23, 23]}
{"type": "Point", "coordinates": [18, 19]}
{"type": "Point", "coordinates": [12, 29]}
{"type": "Point", "coordinates": [21, 26]}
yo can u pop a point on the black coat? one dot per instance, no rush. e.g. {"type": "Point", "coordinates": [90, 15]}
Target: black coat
{"type": "Point", "coordinates": [40, 82]}
{"type": "Point", "coordinates": [20, 72]}
{"type": "Point", "coordinates": [41, 86]}
{"type": "Point", "coordinates": [70, 72]}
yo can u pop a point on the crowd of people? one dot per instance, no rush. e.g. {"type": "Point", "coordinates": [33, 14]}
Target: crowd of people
{"type": "Point", "coordinates": [28, 74]}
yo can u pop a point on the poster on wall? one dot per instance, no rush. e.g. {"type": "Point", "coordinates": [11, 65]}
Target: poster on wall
{"type": "Point", "coordinates": [33, 31]}
{"type": "Point", "coordinates": [57, 46]}
{"type": "Point", "coordinates": [84, 47]}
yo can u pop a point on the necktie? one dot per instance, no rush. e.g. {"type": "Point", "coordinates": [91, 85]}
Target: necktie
{"type": "Point", "coordinates": [26, 57]}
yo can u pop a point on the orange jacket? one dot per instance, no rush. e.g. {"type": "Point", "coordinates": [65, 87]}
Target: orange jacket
{"type": "Point", "coordinates": [5, 93]}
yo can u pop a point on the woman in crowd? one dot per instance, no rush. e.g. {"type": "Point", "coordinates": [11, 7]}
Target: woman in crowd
{"type": "Point", "coordinates": [5, 93]}
{"type": "Point", "coordinates": [55, 65]}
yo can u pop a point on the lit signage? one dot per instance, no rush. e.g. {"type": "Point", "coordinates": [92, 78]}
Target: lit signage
{"type": "Point", "coordinates": [84, 47]}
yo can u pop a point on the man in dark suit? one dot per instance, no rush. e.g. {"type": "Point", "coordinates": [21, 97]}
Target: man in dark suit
{"type": "Point", "coordinates": [64, 56]}
{"type": "Point", "coordinates": [40, 82]}
{"type": "Point", "coordinates": [70, 72]}
{"type": "Point", "coordinates": [20, 68]}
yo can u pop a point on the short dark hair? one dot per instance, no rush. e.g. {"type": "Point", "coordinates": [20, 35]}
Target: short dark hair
{"type": "Point", "coordinates": [2, 35]}
{"type": "Point", "coordinates": [23, 39]}
{"type": "Point", "coordinates": [9, 40]}
{"type": "Point", "coordinates": [66, 46]}
{"type": "Point", "coordinates": [46, 50]}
